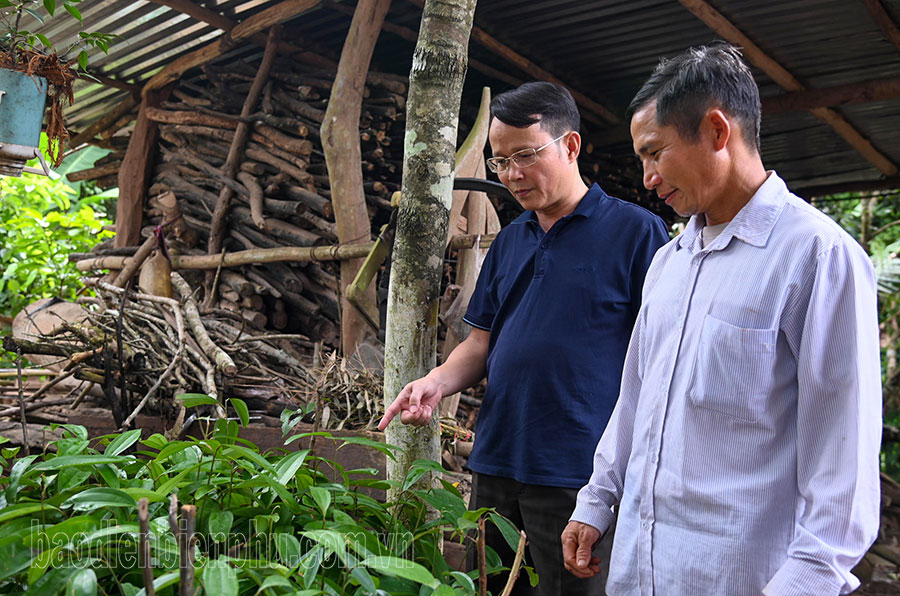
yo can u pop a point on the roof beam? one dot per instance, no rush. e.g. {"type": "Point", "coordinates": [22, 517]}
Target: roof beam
{"type": "Point", "coordinates": [884, 21]}
{"type": "Point", "coordinates": [592, 107]}
{"type": "Point", "coordinates": [247, 29]}
{"type": "Point", "coordinates": [862, 92]}
{"type": "Point", "coordinates": [96, 77]}
{"type": "Point", "coordinates": [718, 23]}
{"type": "Point", "coordinates": [413, 36]}
{"type": "Point", "coordinates": [841, 187]}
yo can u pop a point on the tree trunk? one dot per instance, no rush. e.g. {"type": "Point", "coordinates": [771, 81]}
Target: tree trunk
{"type": "Point", "coordinates": [436, 81]}
{"type": "Point", "coordinates": [340, 142]}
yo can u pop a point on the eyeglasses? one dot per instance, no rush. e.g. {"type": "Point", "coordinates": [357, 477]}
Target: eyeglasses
{"type": "Point", "coordinates": [523, 158]}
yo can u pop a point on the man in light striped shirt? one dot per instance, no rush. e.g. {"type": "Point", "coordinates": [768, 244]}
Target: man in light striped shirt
{"type": "Point", "coordinates": [743, 452]}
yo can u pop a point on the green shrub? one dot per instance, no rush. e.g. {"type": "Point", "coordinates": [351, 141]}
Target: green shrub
{"type": "Point", "coordinates": [267, 523]}
{"type": "Point", "coordinates": [41, 226]}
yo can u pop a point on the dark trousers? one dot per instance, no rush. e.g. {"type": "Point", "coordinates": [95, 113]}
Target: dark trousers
{"type": "Point", "coordinates": [543, 512]}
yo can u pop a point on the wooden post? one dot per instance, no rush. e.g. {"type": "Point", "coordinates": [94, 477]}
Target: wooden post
{"type": "Point", "coordinates": [436, 80]}
{"type": "Point", "coordinates": [134, 175]}
{"type": "Point", "coordinates": [340, 142]}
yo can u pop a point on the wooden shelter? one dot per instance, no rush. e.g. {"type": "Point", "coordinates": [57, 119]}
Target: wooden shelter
{"type": "Point", "coordinates": [829, 70]}
{"type": "Point", "coordinates": [176, 100]}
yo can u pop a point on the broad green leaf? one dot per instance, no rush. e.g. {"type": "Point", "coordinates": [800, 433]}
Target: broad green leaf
{"type": "Point", "coordinates": [275, 581]}
{"type": "Point", "coordinates": [419, 468]}
{"type": "Point", "coordinates": [309, 566]}
{"type": "Point", "coordinates": [72, 11]}
{"type": "Point", "coordinates": [220, 578]}
{"type": "Point", "coordinates": [449, 505]}
{"type": "Point", "coordinates": [288, 547]}
{"type": "Point", "coordinates": [219, 525]}
{"type": "Point", "coordinates": [163, 581]}
{"type": "Point", "coordinates": [34, 13]}
{"type": "Point", "coordinates": [42, 562]}
{"type": "Point", "coordinates": [171, 449]}
{"type": "Point", "coordinates": [464, 580]}
{"type": "Point", "coordinates": [144, 493]}
{"type": "Point", "coordinates": [385, 448]}
{"type": "Point", "coordinates": [331, 541]}
{"type": "Point", "coordinates": [241, 408]}
{"type": "Point", "coordinates": [123, 442]}
{"type": "Point", "coordinates": [506, 527]}
{"type": "Point", "coordinates": [15, 475]}
{"type": "Point", "coordinates": [52, 582]}
{"type": "Point", "coordinates": [155, 441]}
{"type": "Point", "coordinates": [322, 497]}
{"type": "Point", "coordinates": [288, 466]}
{"type": "Point", "coordinates": [532, 576]}
{"type": "Point", "coordinates": [14, 556]}
{"type": "Point", "coordinates": [64, 461]}
{"type": "Point", "coordinates": [63, 533]}
{"type": "Point", "coordinates": [403, 568]}
{"type": "Point", "coordinates": [82, 583]}
{"type": "Point", "coordinates": [365, 579]}
{"type": "Point", "coordinates": [94, 538]}
{"type": "Point", "coordinates": [50, 6]}
{"type": "Point", "coordinates": [191, 400]}
{"type": "Point", "coordinates": [94, 498]}
{"type": "Point", "coordinates": [14, 511]}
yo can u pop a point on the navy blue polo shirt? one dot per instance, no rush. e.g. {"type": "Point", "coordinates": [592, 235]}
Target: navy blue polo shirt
{"type": "Point", "coordinates": [560, 307]}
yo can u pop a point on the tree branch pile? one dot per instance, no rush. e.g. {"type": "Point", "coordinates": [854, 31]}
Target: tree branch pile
{"type": "Point", "coordinates": [141, 350]}
{"type": "Point", "coordinates": [282, 196]}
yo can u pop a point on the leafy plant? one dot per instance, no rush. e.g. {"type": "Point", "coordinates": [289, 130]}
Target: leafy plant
{"type": "Point", "coordinates": [42, 225]}
{"type": "Point", "coordinates": [267, 523]}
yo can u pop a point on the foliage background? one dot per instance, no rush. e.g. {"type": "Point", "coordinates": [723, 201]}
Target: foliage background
{"type": "Point", "coordinates": [43, 220]}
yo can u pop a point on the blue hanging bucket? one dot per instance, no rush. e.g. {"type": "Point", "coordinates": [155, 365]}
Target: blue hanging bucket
{"type": "Point", "coordinates": [22, 100]}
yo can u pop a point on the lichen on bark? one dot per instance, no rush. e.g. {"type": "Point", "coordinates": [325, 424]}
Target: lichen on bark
{"type": "Point", "coordinates": [436, 79]}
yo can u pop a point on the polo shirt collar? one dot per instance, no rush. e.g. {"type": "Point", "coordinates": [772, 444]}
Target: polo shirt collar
{"type": "Point", "coordinates": [753, 223]}
{"type": "Point", "coordinates": [585, 207]}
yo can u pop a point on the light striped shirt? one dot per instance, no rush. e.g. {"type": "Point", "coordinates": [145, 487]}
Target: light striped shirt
{"type": "Point", "coordinates": [744, 447]}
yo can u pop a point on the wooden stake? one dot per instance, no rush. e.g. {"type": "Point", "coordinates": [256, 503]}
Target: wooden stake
{"type": "Point", "coordinates": [516, 566]}
{"type": "Point", "coordinates": [482, 563]}
{"type": "Point", "coordinates": [146, 570]}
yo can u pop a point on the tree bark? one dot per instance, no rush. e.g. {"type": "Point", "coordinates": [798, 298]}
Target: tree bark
{"type": "Point", "coordinates": [436, 80]}
{"type": "Point", "coordinates": [340, 142]}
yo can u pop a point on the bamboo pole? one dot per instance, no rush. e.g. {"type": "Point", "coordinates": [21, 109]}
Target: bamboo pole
{"type": "Point", "coordinates": [296, 254]}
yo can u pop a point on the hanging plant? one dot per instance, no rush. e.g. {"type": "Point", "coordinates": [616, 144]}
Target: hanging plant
{"type": "Point", "coordinates": [33, 55]}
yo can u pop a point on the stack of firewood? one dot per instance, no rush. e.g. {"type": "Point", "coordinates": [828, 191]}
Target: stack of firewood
{"type": "Point", "coordinates": [620, 176]}
{"type": "Point", "coordinates": [282, 192]}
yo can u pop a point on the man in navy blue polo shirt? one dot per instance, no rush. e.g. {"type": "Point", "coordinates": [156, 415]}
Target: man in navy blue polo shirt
{"type": "Point", "coordinates": [551, 317]}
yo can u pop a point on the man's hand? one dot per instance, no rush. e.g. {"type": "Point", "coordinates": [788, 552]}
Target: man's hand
{"type": "Point", "coordinates": [578, 540]}
{"type": "Point", "coordinates": [415, 403]}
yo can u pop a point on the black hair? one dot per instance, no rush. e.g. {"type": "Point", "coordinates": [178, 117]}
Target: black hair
{"type": "Point", "coordinates": [686, 86]}
{"type": "Point", "coordinates": [548, 103]}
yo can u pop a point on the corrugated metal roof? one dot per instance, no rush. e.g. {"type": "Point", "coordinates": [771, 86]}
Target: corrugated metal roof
{"type": "Point", "coordinates": [603, 48]}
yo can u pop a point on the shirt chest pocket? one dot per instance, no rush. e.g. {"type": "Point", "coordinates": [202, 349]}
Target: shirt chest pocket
{"type": "Point", "coordinates": [734, 369]}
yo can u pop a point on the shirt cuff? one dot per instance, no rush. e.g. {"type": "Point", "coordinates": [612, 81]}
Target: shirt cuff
{"type": "Point", "coordinates": [804, 578]}
{"type": "Point", "coordinates": [599, 517]}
